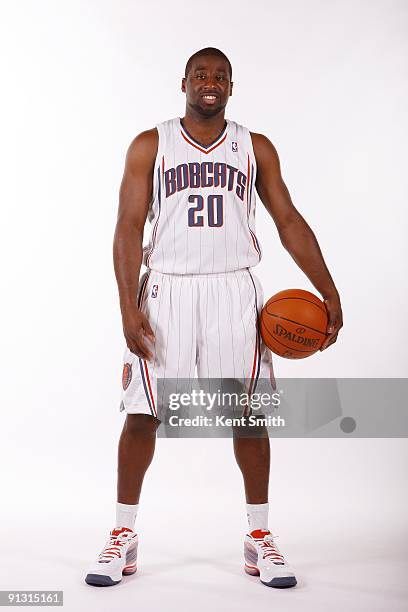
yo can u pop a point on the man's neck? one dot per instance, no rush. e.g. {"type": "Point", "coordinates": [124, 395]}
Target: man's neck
{"type": "Point", "coordinates": [203, 129]}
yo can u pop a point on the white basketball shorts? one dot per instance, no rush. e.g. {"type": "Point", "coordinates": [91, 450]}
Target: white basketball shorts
{"type": "Point", "coordinates": [207, 322]}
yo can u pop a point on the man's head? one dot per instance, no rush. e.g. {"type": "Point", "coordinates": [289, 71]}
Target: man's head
{"type": "Point", "coordinates": [208, 81]}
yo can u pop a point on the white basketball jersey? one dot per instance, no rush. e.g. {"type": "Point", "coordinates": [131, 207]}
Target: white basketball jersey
{"type": "Point", "coordinates": [203, 207]}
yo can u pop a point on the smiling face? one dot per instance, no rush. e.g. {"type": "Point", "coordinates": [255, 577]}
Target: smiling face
{"type": "Point", "coordinates": [207, 85]}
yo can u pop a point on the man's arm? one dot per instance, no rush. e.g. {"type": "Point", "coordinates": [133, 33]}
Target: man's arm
{"type": "Point", "coordinates": [134, 199]}
{"type": "Point", "coordinates": [295, 234]}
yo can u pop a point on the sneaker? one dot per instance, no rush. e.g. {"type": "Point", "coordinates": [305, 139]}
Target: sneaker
{"type": "Point", "coordinates": [263, 559]}
{"type": "Point", "coordinates": [117, 559]}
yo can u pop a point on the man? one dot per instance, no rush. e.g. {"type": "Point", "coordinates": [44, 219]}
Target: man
{"type": "Point", "coordinates": [198, 303]}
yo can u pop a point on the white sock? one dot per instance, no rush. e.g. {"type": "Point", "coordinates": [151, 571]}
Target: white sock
{"type": "Point", "coordinates": [257, 516]}
{"type": "Point", "coordinates": [126, 515]}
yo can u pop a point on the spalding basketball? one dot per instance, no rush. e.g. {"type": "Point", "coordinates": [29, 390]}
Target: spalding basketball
{"type": "Point", "coordinates": [294, 323]}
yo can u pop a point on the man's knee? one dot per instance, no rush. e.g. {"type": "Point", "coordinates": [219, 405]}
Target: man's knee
{"type": "Point", "coordinates": [141, 424]}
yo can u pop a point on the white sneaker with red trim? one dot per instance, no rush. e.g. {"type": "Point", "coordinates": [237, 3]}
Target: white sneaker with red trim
{"type": "Point", "coordinates": [117, 559]}
{"type": "Point", "coordinates": [263, 559]}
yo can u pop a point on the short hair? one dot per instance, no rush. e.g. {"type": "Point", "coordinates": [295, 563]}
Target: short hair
{"type": "Point", "coordinates": [207, 51]}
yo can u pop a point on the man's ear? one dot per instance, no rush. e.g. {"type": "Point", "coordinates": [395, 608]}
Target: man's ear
{"type": "Point", "coordinates": [183, 84]}
{"type": "Point", "coordinates": [231, 88]}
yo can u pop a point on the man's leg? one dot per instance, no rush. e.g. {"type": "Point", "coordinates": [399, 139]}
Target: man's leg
{"type": "Point", "coordinates": [253, 458]}
{"type": "Point", "coordinates": [136, 449]}
{"type": "Point", "coordinates": [262, 556]}
{"type": "Point", "coordinates": [135, 453]}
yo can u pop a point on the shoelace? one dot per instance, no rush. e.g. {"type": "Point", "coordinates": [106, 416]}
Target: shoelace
{"type": "Point", "coordinates": [270, 550]}
{"type": "Point", "coordinates": [112, 547]}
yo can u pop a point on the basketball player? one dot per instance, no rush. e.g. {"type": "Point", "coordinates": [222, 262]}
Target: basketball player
{"type": "Point", "coordinates": [198, 301]}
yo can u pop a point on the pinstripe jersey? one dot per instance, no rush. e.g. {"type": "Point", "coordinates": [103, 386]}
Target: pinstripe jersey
{"type": "Point", "coordinates": [203, 206]}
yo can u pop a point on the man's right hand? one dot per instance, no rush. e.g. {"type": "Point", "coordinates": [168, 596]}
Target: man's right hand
{"type": "Point", "coordinates": [137, 331]}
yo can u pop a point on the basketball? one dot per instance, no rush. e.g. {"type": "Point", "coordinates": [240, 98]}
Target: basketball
{"type": "Point", "coordinates": [293, 323]}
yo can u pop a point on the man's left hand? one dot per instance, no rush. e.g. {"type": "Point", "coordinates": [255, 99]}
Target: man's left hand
{"type": "Point", "coordinates": [335, 320]}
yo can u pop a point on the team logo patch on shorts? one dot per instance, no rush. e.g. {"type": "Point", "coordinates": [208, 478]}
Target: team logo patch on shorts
{"type": "Point", "coordinates": [155, 289]}
{"type": "Point", "coordinates": [126, 375]}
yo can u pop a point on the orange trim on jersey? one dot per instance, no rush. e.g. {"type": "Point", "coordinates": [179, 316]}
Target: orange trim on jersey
{"type": "Point", "coordinates": [254, 367]}
{"type": "Point", "coordinates": [255, 243]}
{"type": "Point", "coordinates": [248, 195]}
{"type": "Point", "coordinates": [248, 181]}
{"type": "Point", "coordinates": [257, 354]}
{"type": "Point", "coordinates": [153, 239]}
{"type": "Point", "coordinates": [254, 364]}
{"type": "Point", "coordinates": [200, 148]}
{"type": "Point", "coordinates": [143, 290]}
{"type": "Point", "coordinates": [150, 387]}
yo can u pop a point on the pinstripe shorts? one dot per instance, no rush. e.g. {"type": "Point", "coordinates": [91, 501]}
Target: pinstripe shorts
{"type": "Point", "coordinates": [205, 326]}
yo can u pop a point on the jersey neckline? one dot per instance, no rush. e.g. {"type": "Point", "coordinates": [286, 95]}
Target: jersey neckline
{"type": "Point", "coordinates": [198, 145]}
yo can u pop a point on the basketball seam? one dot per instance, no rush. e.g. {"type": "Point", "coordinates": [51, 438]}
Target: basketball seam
{"type": "Point", "coordinates": [297, 323]}
{"type": "Point", "coordinates": [297, 298]}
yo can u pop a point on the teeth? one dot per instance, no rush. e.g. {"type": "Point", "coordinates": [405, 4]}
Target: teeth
{"type": "Point", "coordinates": [209, 97]}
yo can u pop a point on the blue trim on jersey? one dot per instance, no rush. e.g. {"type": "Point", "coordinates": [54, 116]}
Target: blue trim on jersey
{"type": "Point", "coordinates": [250, 189]}
{"type": "Point", "coordinates": [257, 247]}
{"type": "Point", "coordinates": [258, 336]}
{"type": "Point", "coordinates": [139, 303]}
{"type": "Point", "coordinates": [254, 238]}
{"type": "Point", "coordinates": [148, 258]}
{"type": "Point", "coordinates": [145, 386]}
{"type": "Point", "coordinates": [199, 143]}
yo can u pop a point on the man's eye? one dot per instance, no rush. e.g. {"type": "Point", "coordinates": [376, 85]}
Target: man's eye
{"type": "Point", "coordinates": [200, 76]}
{"type": "Point", "coordinates": [220, 78]}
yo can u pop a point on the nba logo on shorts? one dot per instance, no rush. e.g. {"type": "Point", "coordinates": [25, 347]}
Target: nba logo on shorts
{"type": "Point", "coordinates": [154, 290]}
{"type": "Point", "coordinates": [234, 146]}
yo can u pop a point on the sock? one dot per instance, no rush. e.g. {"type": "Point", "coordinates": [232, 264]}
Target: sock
{"type": "Point", "coordinates": [257, 516]}
{"type": "Point", "coordinates": [126, 515]}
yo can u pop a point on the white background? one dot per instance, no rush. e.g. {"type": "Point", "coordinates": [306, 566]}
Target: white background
{"type": "Point", "coordinates": [325, 81]}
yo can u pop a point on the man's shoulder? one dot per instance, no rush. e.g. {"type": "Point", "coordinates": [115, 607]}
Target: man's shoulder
{"type": "Point", "coordinates": [147, 139]}
{"type": "Point", "coordinates": [263, 147]}
{"type": "Point", "coordinates": [147, 142]}
{"type": "Point", "coordinates": [143, 146]}
{"type": "Point", "coordinates": [260, 139]}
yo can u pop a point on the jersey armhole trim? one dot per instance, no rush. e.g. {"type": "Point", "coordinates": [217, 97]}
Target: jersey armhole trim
{"type": "Point", "coordinates": [251, 151]}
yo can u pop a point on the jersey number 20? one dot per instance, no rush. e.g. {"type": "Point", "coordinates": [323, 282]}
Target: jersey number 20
{"type": "Point", "coordinates": [215, 211]}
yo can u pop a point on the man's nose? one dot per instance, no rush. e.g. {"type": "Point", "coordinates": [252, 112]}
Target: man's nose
{"type": "Point", "coordinates": [210, 82]}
